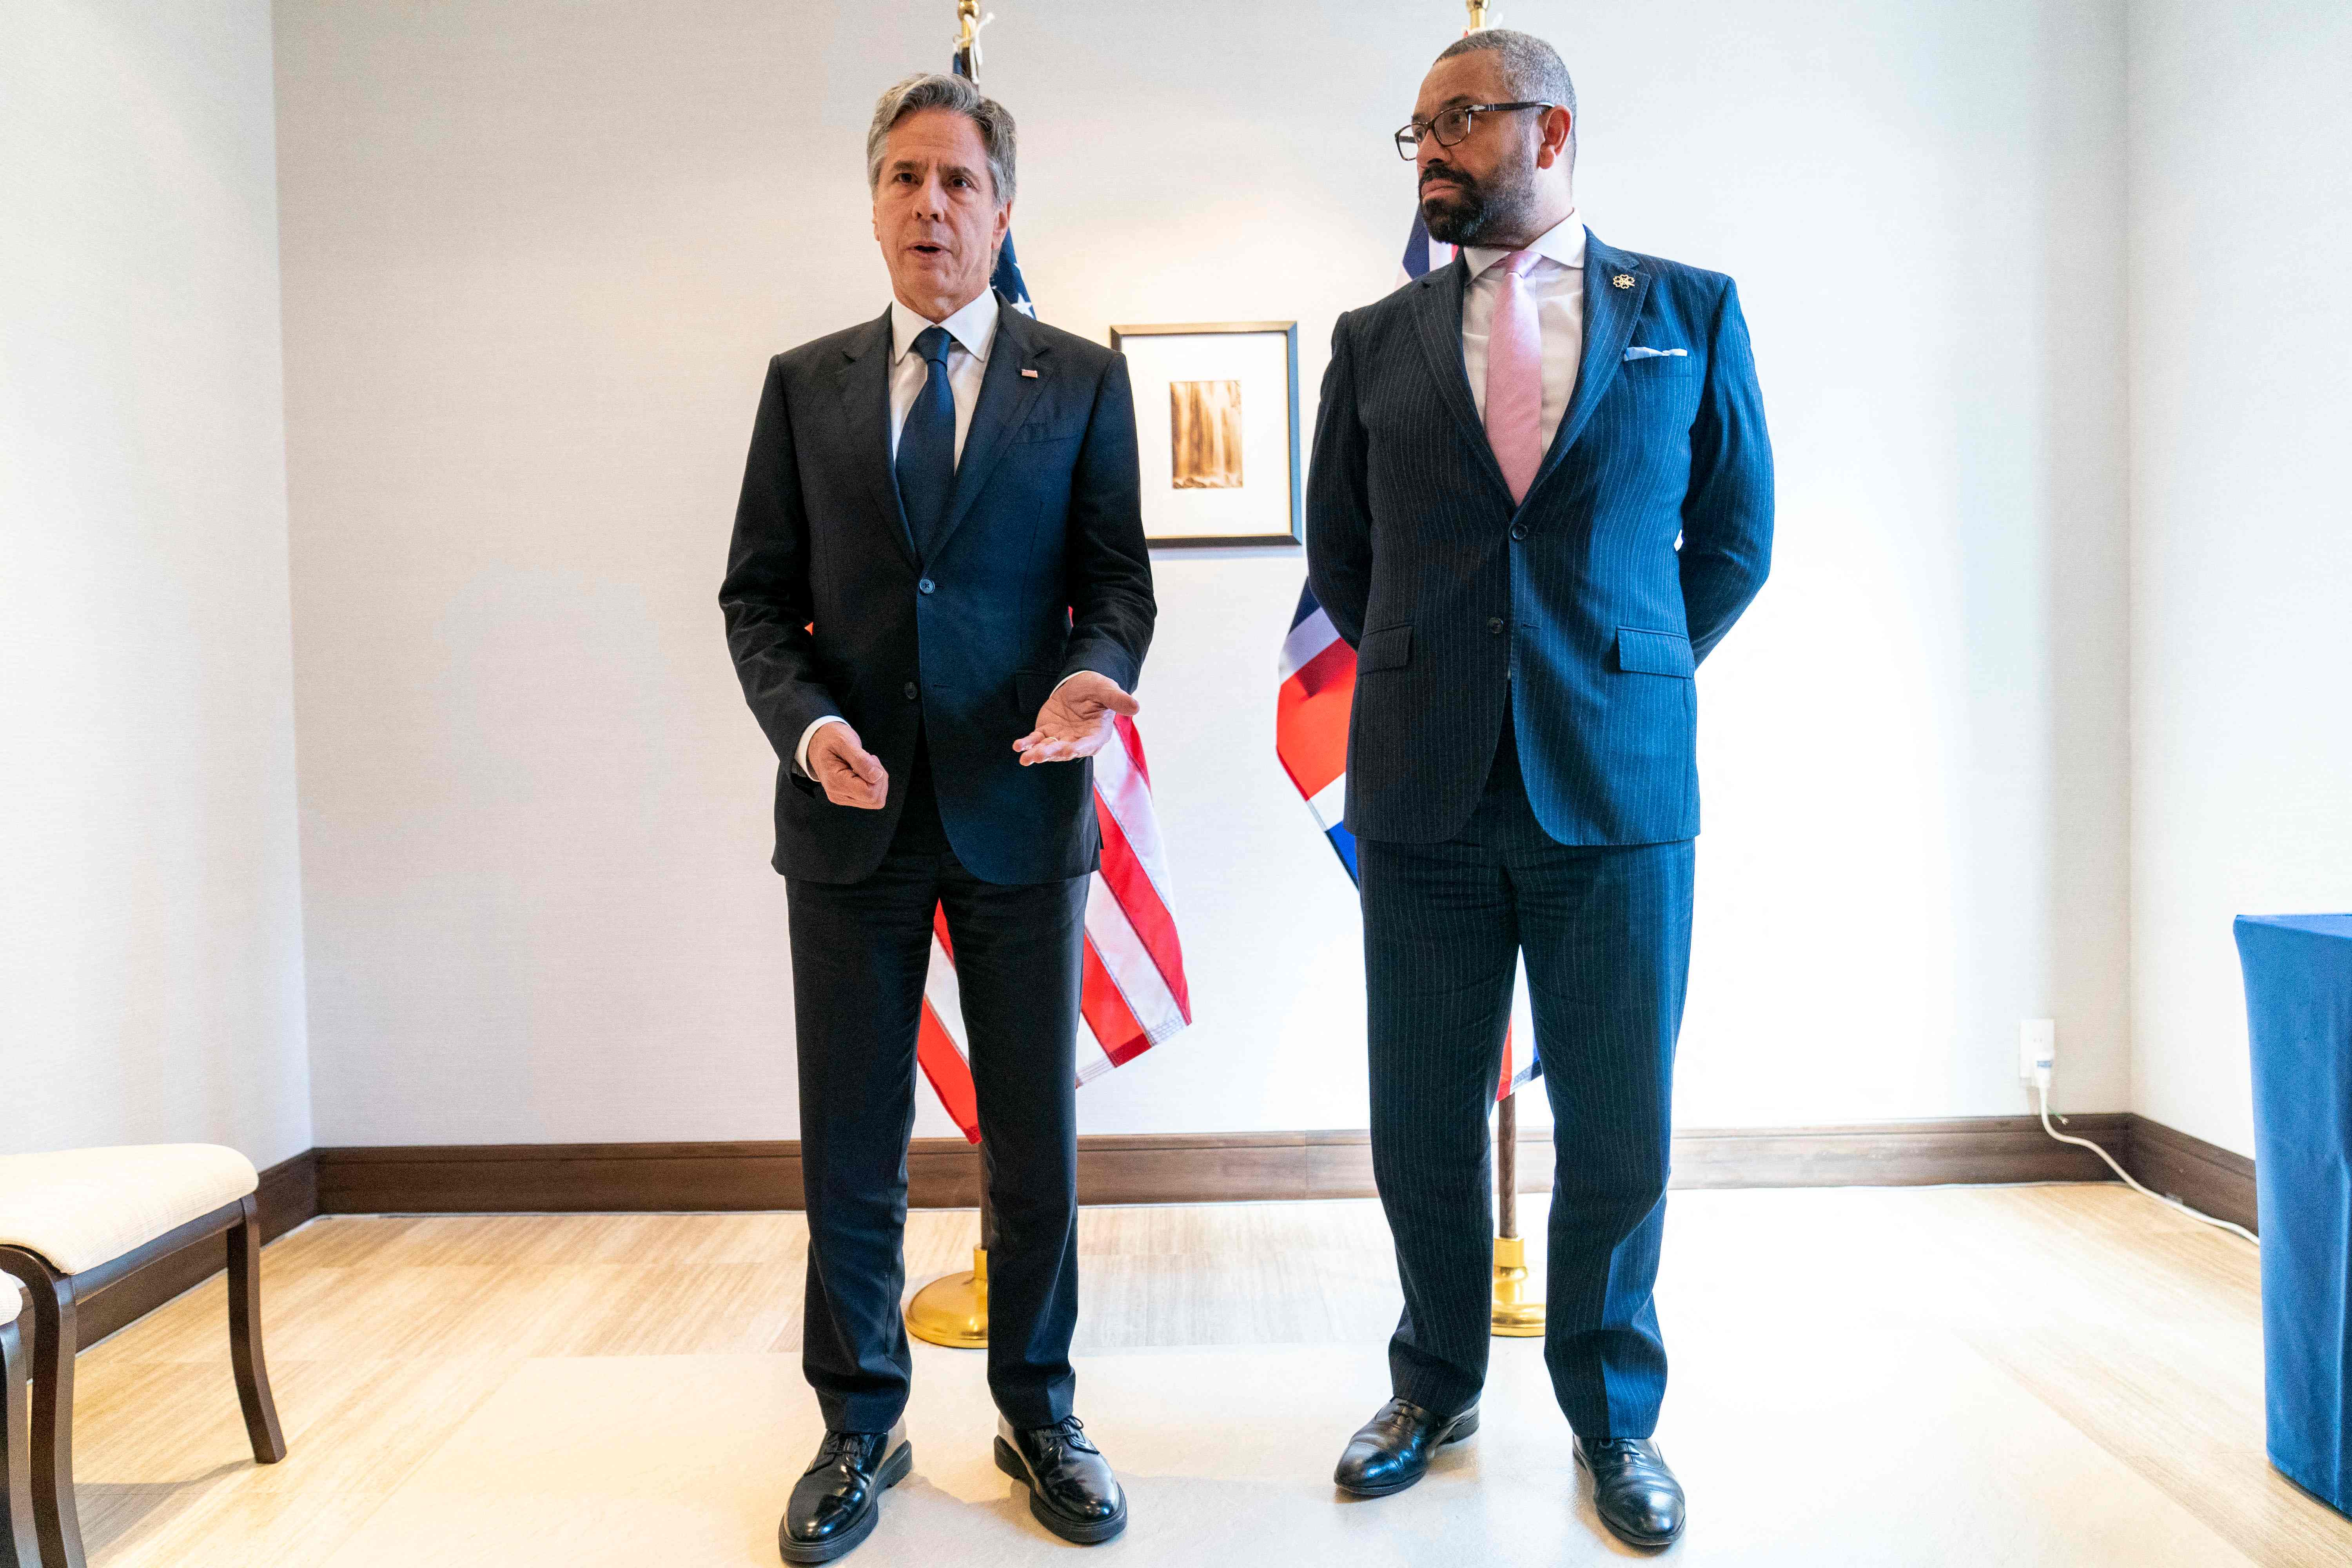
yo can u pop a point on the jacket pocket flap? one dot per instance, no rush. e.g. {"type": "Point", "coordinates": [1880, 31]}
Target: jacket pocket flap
{"type": "Point", "coordinates": [1654, 653]}
{"type": "Point", "coordinates": [1390, 647]}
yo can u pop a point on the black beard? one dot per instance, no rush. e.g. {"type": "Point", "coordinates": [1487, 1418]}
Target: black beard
{"type": "Point", "coordinates": [1459, 210]}
{"type": "Point", "coordinates": [1459, 221]}
{"type": "Point", "coordinates": [1464, 212]}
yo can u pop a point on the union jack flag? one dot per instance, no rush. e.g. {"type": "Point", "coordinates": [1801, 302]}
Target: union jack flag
{"type": "Point", "coordinates": [1318, 693]}
{"type": "Point", "coordinates": [1133, 993]}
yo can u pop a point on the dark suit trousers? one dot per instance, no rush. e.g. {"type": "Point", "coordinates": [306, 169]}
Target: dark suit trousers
{"type": "Point", "coordinates": [1606, 934]}
{"type": "Point", "coordinates": [859, 955]}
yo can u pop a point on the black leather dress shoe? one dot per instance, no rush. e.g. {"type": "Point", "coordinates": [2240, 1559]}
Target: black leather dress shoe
{"type": "Point", "coordinates": [839, 1498]}
{"type": "Point", "coordinates": [1071, 1490]}
{"type": "Point", "coordinates": [1392, 1450]}
{"type": "Point", "coordinates": [1637, 1495]}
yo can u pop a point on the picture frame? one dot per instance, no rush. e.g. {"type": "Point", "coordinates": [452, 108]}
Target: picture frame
{"type": "Point", "coordinates": [1216, 425]}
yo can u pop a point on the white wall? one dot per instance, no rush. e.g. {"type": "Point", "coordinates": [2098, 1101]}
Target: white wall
{"type": "Point", "coordinates": [2241, 532]}
{"type": "Point", "coordinates": [150, 944]}
{"type": "Point", "coordinates": [536, 255]}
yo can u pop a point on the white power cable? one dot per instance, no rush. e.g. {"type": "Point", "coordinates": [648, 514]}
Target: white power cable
{"type": "Point", "coordinates": [2041, 1098]}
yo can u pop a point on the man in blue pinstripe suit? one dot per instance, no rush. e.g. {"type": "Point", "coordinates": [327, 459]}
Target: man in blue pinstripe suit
{"type": "Point", "coordinates": [1541, 492]}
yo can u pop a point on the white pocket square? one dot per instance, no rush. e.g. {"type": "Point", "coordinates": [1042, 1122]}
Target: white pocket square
{"type": "Point", "coordinates": [1657, 353]}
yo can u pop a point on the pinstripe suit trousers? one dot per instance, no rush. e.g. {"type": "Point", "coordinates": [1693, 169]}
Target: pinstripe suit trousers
{"type": "Point", "coordinates": [1606, 934]}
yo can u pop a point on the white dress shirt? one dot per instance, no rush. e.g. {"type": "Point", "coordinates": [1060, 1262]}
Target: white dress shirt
{"type": "Point", "coordinates": [972, 332]}
{"type": "Point", "coordinates": [1557, 282]}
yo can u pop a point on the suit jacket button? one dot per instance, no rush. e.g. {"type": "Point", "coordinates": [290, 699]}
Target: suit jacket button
{"type": "Point", "coordinates": [1494, 624]}
{"type": "Point", "coordinates": [911, 691]}
{"type": "Point", "coordinates": [925, 586]}
{"type": "Point", "coordinates": [1519, 530]}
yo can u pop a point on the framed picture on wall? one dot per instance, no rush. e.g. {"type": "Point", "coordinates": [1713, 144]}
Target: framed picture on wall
{"type": "Point", "coordinates": [1216, 420]}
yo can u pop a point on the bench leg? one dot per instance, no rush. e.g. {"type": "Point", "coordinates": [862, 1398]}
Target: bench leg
{"type": "Point", "coordinates": [20, 1545]}
{"type": "Point", "coordinates": [56, 1520]}
{"type": "Point", "coordinates": [245, 1337]}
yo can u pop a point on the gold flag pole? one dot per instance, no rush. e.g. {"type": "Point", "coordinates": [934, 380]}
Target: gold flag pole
{"type": "Point", "coordinates": [1514, 1317]}
{"type": "Point", "coordinates": [953, 1309]}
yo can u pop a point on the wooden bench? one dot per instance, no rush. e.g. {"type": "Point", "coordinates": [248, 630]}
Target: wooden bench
{"type": "Point", "coordinates": [73, 1223]}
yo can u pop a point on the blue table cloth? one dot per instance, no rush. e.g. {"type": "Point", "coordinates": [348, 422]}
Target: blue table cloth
{"type": "Point", "coordinates": [2298, 972]}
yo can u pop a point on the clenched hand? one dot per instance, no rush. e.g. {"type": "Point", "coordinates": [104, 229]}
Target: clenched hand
{"type": "Point", "coordinates": [851, 774]}
{"type": "Point", "coordinates": [1076, 721]}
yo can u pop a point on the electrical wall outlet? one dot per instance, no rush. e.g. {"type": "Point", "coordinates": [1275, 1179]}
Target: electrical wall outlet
{"type": "Point", "coordinates": [2037, 1050]}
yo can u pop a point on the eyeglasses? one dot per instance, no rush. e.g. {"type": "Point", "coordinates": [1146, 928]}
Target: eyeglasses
{"type": "Point", "coordinates": [1451, 126]}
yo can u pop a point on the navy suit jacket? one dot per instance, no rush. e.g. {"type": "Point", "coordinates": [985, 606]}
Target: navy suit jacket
{"type": "Point", "coordinates": [1584, 610]}
{"type": "Point", "coordinates": [1040, 571]}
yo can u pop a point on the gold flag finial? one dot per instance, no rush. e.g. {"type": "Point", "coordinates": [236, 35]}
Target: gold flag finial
{"type": "Point", "coordinates": [969, 22]}
{"type": "Point", "coordinates": [1478, 13]}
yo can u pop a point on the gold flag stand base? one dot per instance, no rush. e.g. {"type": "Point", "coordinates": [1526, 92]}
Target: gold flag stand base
{"type": "Point", "coordinates": [1515, 1318]}
{"type": "Point", "coordinates": [953, 1309]}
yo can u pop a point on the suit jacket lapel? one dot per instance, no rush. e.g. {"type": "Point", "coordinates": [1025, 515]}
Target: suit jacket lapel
{"type": "Point", "coordinates": [866, 404]}
{"type": "Point", "coordinates": [1005, 396]}
{"type": "Point", "coordinates": [1439, 311]}
{"type": "Point", "coordinates": [1610, 313]}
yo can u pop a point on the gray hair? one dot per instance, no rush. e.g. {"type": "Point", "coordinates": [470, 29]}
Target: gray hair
{"type": "Point", "coordinates": [1532, 70]}
{"type": "Point", "coordinates": [931, 90]}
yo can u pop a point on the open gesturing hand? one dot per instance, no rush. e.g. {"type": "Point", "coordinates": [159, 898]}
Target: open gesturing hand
{"type": "Point", "coordinates": [1076, 721]}
{"type": "Point", "coordinates": [851, 774]}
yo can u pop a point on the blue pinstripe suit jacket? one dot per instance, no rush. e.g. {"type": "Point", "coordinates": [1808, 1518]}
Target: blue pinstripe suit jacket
{"type": "Point", "coordinates": [1585, 609]}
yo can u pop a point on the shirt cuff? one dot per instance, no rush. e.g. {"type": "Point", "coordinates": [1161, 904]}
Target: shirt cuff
{"type": "Point", "coordinates": [800, 753]}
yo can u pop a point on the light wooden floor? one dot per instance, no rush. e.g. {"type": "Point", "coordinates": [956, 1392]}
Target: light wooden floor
{"type": "Point", "coordinates": [2137, 1326]}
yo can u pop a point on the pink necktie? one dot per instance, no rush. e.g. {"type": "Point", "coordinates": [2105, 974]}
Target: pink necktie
{"type": "Point", "coordinates": [1515, 378]}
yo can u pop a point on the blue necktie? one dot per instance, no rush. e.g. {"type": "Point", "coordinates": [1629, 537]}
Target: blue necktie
{"type": "Point", "coordinates": [926, 462]}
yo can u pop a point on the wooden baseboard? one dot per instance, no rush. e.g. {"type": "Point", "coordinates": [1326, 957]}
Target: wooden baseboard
{"type": "Point", "coordinates": [1974, 1151]}
{"type": "Point", "coordinates": [2204, 1175]}
{"type": "Point", "coordinates": [941, 1173]}
{"type": "Point", "coordinates": [288, 1197]}
{"type": "Point", "coordinates": [1206, 1167]}
{"type": "Point", "coordinates": [1210, 1167]}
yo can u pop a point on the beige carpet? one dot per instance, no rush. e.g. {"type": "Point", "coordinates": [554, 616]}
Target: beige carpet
{"type": "Point", "coordinates": [1913, 1451]}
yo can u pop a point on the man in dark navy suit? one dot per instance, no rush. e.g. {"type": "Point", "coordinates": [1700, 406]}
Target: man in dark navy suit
{"type": "Point", "coordinates": [938, 598]}
{"type": "Point", "coordinates": [1541, 492]}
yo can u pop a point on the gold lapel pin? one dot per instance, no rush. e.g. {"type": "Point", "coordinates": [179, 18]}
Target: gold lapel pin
{"type": "Point", "coordinates": [1030, 373]}
{"type": "Point", "coordinates": [1622, 280]}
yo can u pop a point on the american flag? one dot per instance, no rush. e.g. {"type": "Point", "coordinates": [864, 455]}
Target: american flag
{"type": "Point", "coordinates": [1318, 692]}
{"type": "Point", "coordinates": [1133, 993]}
